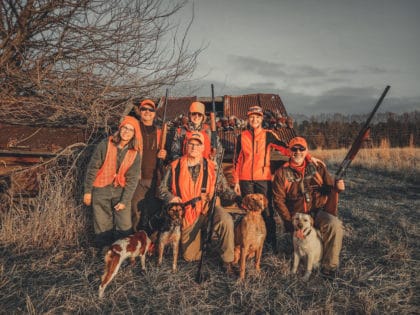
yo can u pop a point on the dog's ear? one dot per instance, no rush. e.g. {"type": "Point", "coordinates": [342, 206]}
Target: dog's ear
{"type": "Point", "coordinates": [265, 201]}
{"type": "Point", "coordinates": [245, 202]}
{"type": "Point", "coordinates": [312, 221]}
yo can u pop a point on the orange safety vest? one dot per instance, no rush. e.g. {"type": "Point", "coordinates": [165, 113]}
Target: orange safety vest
{"type": "Point", "coordinates": [207, 140]}
{"type": "Point", "coordinates": [254, 159]}
{"type": "Point", "coordinates": [108, 174]}
{"type": "Point", "coordinates": [188, 189]}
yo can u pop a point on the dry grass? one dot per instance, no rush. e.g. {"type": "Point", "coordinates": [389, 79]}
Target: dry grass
{"type": "Point", "coordinates": [47, 265]}
{"type": "Point", "coordinates": [383, 158]}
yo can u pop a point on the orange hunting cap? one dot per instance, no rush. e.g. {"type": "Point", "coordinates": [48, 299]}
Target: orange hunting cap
{"type": "Point", "coordinates": [298, 141]}
{"type": "Point", "coordinates": [148, 102]}
{"type": "Point", "coordinates": [196, 136]}
{"type": "Point", "coordinates": [135, 123]}
{"type": "Point", "coordinates": [255, 110]}
{"type": "Point", "coordinates": [198, 107]}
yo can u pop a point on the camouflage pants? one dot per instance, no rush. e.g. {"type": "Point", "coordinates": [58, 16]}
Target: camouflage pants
{"type": "Point", "coordinates": [223, 227]}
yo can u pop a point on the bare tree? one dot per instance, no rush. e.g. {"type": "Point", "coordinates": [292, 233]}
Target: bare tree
{"type": "Point", "coordinates": [67, 61]}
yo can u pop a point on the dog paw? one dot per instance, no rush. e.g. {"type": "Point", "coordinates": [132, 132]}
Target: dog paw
{"type": "Point", "coordinates": [305, 278]}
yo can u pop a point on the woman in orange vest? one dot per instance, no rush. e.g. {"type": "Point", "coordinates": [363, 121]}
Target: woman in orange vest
{"type": "Point", "coordinates": [111, 179]}
{"type": "Point", "coordinates": [196, 123]}
{"type": "Point", "coordinates": [252, 172]}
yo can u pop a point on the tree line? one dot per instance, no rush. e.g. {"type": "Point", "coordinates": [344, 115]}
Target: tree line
{"type": "Point", "coordinates": [339, 131]}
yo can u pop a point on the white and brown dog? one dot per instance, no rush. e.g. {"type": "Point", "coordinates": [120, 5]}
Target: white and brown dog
{"type": "Point", "coordinates": [307, 243]}
{"type": "Point", "coordinates": [250, 233]}
{"type": "Point", "coordinates": [136, 245]}
{"type": "Point", "coordinates": [170, 232]}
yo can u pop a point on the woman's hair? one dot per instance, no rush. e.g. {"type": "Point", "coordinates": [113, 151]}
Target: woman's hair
{"type": "Point", "coordinates": [132, 144]}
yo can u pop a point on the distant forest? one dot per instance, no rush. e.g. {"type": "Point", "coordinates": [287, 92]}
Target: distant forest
{"type": "Point", "coordinates": [332, 131]}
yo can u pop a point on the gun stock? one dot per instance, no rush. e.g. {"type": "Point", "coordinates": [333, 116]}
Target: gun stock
{"type": "Point", "coordinates": [213, 120]}
{"type": "Point", "coordinates": [332, 202]}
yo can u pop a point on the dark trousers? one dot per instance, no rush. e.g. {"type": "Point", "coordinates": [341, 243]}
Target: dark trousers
{"type": "Point", "coordinates": [263, 187]}
{"type": "Point", "coordinates": [145, 206]}
{"type": "Point", "coordinates": [109, 225]}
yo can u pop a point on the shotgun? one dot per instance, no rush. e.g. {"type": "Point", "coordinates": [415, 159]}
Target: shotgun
{"type": "Point", "coordinates": [332, 201]}
{"type": "Point", "coordinates": [207, 230]}
{"type": "Point", "coordinates": [162, 142]}
{"type": "Point", "coordinates": [213, 121]}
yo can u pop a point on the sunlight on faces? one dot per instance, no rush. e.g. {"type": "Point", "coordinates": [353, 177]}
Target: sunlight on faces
{"type": "Point", "coordinates": [298, 154]}
{"type": "Point", "coordinates": [196, 118]}
{"type": "Point", "coordinates": [255, 121]}
{"type": "Point", "coordinates": [147, 114]}
{"type": "Point", "coordinates": [195, 148]}
{"type": "Point", "coordinates": [127, 132]}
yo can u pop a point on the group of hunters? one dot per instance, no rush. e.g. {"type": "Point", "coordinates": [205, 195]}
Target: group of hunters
{"type": "Point", "coordinates": [130, 173]}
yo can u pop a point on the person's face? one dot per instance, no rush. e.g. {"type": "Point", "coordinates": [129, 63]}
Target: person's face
{"type": "Point", "coordinates": [127, 132]}
{"type": "Point", "coordinates": [195, 148]}
{"type": "Point", "coordinates": [196, 118]}
{"type": "Point", "coordinates": [255, 121]}
{"type": "Point", "coordinates": [147, 114]}
{"type": "Point", "coordinates": [298, 154]}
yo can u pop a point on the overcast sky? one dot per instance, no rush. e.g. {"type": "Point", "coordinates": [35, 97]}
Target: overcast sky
{"type": "Point", "coordinates": [318, 55]}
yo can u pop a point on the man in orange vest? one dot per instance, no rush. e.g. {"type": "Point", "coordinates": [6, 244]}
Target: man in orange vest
{"type": "Point", "coordinates": [111, 179]}
{"type": "Point", "coordinates": [196, 123]}
{"type": "Point", "coordinates": [191, 180]}
{"type": "Point", "coordinates": [301, 186]}
{"type": "Point", "coordinates": [145, 203]}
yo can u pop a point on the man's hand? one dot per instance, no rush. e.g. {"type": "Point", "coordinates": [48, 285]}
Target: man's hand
{"type": "Point", "coordinates": [339, 185]}
{"type": "Point", "coordinates": [175, 200]}
{"type": "Point", "coordinates": [87, 199]}
{"type": "Point", "coordinates": [162, 154]}
{"type": "Point", "coordinates": [119, 206]}
{"type": "Point", "coordinates": [237, 189]}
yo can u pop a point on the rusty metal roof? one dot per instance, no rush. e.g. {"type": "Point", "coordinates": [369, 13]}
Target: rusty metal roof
{"type": "Point", "coordinates": [232, 105]}
{"type": "Point", "coordinates": [238, 105]}
{"type": "Point", "coordinates": [176, 106]}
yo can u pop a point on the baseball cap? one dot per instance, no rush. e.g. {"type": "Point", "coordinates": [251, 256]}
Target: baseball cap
{"type": "Point", "coordinates": [255, 110]}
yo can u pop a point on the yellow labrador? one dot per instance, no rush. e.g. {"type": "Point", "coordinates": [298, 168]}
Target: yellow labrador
{"type": "Point", "coordinates": [307, 243]}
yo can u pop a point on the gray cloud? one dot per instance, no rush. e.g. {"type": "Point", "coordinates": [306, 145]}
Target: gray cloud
{"type": "Point", "coordinates": [257, 66]}
{"type": "Point", "coordinates": [342, 100]}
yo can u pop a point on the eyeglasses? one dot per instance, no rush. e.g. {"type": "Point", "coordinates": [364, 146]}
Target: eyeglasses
{"type": "Point", "coordinates": [193, 145]}
{"type": "Point", "coordinates": [147, 109]}
{"type": "Point", "coordinates": [196, 114]}
{"type": "Point", "coordinates": [125, 128]}
{"type": "Point", "coordinates": [295, 149]}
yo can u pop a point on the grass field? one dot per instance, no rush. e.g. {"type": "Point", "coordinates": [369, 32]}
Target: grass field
{"type": "Point", "coordinates": [47, 265]}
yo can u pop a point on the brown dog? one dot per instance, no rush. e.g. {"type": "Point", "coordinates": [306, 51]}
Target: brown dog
{"type": "Point", "coordinates": [129, 247]}
{"type": "Point", "coordinates": [251, 232]}
{"type": "Point", "coordinates": [170, 232]}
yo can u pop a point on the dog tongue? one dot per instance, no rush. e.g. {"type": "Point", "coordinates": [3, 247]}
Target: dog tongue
{"type": "Point", "coordinates": [299, 234]}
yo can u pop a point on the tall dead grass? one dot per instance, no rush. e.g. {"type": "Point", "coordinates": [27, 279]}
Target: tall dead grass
{"type": "Point", "coordinates": [384, 157]}
{"type": "Point", "coordinates": [52, 219]}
